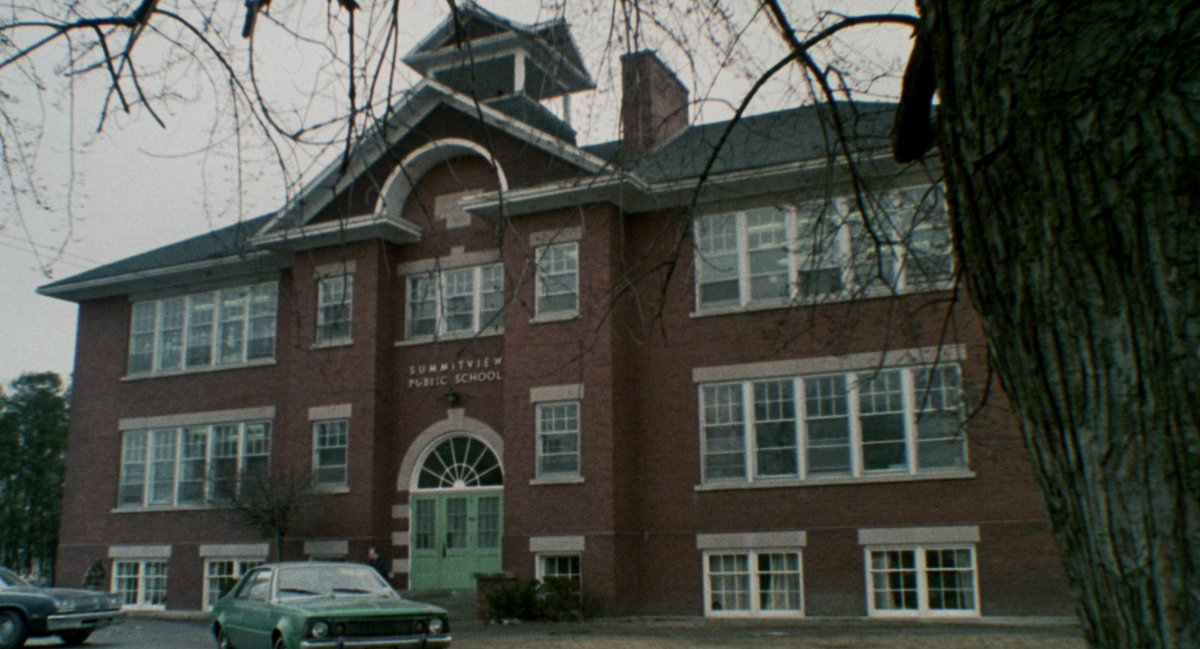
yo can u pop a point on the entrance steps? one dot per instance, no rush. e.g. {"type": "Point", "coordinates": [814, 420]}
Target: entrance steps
{"type": "Point", "coordinates": [459, 603]}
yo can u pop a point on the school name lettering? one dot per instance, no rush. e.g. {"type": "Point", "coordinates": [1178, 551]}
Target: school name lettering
{"type": "Point", "coordinates": [462, 371]}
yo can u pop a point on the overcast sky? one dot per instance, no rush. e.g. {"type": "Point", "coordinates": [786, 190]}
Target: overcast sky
{"type": "Point", "coordinates": [136, 186]}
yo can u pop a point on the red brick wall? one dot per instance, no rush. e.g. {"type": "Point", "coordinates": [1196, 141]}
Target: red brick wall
{"type": "Point", "coordinates": [638, 506]}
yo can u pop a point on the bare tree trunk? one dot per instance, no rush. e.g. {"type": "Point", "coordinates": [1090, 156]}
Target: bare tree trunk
{"type": "Point", "coordinates": [1070, 133]}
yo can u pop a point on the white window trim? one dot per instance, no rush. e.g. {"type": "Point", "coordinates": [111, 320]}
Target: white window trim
{"type": "Point", "coordinates": [214, 363]}
{"type": "Point", "coordinates": [198, 418]}
{"type": "Point", "coordinates": [755, 610]}
{"type": "Point", "coordinates": [321, 340]}
{"type": "Point", "coordinates": [921, 569]}
{"type": "Point", "coordinates": [141, 562]}
{"type": "Point", "coordinates": [857, 473]}
{"type": "Point", "coordinates": [238, 571]}
{"type": "Point", "coordinates": [330, 487]}
{"type": "Point", "coordinates": [539, 560]}
{"type": "Point", "coordinates": [179, 430]}
{"type": "Point", "coordinates": [557, 315]}
{"type": "Point", "coordinates": [437, 275]}
{"type": "Point", "coordinates": [562, 477]}
{"type": "Point", "coordinates": [851, 290]}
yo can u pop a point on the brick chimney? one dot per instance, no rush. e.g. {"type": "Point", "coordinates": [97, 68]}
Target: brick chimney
{"type": "Point", "coordinates": [654, 103]}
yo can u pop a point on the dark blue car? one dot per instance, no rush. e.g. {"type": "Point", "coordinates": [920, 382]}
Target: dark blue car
{"type": "Point", "coordinates": [27, 611]}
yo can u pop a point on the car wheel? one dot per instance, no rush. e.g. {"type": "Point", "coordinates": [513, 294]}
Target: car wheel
{"type": "Point", "coordinates": [223, 641]}
{"type": "Point", "coordinates": [279, 643]}
{"type": "Point", "coordinates": [12, 630]}
{"type": "Point", "coordinates": [74, 638]}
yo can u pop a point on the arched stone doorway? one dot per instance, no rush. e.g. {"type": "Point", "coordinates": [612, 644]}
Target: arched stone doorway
{"type": "Point", "coordinates": [456, 505]}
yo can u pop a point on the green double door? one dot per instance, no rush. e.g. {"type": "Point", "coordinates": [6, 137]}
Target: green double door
{"type": "Point", "coordinates": [455, 536]}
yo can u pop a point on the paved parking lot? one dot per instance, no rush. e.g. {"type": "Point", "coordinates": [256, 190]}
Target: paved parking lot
{"type": "Point", "coordinates": [668, 633]}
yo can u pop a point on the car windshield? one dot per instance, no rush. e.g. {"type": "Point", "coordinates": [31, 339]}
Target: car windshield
{"type": "Point", "coordinates": [10, 579]}
{"type": "Point", "coordinates": [329, 581]}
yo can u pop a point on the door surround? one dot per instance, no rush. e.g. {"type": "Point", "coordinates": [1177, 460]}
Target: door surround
{"type": "Point", "coordinates": [455, 423]}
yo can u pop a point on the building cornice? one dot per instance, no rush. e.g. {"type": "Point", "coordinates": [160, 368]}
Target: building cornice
{"type": "Point", "coordinates": [208, 270]}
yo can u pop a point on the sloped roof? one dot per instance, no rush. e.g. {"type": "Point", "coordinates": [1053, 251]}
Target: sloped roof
{"type": "Point", "coordinates": [759, 141]}
{"type": "Point", "coordinates": [227, 243]}
{"type": "Point", "coordinates": [754, 142]}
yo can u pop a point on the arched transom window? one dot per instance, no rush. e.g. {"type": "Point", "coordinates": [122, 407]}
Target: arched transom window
{"type": "Point", "coordinates": [460, 462]}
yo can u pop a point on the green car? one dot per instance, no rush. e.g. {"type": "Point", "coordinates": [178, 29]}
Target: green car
{"type": "Point", "coordinates": [310, 605]}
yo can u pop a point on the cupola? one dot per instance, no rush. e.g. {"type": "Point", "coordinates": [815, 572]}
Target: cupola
{"type": "Point", "coordinates": [506, 65]}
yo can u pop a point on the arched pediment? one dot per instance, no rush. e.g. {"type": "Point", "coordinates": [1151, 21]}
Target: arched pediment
{"type": "Point", "coordinates": [455, 424]}
{"type": "Point", "coordinates": [399, 185]}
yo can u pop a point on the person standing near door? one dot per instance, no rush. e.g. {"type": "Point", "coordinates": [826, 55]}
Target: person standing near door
{"type": "Point", "coordinates": [378, 563]}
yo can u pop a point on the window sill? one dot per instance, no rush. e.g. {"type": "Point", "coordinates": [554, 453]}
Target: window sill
{"type": "Point", "coordinates": [838, 298]}
{"type": "Point", "coordinates": [455, 337]}
{"type": "Point", "coordinates": [784, 483]}
{"type": "Point", "coordinates": [158, 509]}
{"type": "Point", "coordinates": [199, 370]}
{"type": "Point", "coordinates": [752, 615]}
{"type": "Point", "coordinates": [328, 344]}
{"type": "Point", "coordinates": [923, 615]}
{"type": "Point", "coordinates": [557, 480]}
{"type": "Point", "coordinates": [543, 318]}
{"type": "Point", "coordinates": [330, 490]}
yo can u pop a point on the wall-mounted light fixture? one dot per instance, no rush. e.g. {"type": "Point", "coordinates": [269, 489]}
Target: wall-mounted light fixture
{"type": "Point", "coordinates": [452, 398]}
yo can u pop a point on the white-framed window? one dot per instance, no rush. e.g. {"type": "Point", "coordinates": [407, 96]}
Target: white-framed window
{"type": "Point", "coordinates": [330, 441]}
{"type": "Point", "coordinates": [739, 583]}
{"type": "Point", "coordinates": [849, 425]}
{"type": "Point", "coordinates": [229, 327]}
{"type": "Point", "coordinates": [558, 438]}
{"type": "Point", "coordinates": [567, 567]}
{"type": "Point", "coordinates": [190, 465]}
{"type": "Point", "coordinates": [335, 299]}
{"type": "Point", "coordinates": [461, 301]}
{"type": "Point", "coordinates": [780, 255]}
{"type": "Point", "coordinates": [220, 575]}
{"type": "Point", "coordinates": [140, 583]}
{"type": "Point", "coordinates": [558, 279]}
{"type": "Point", "coordinates": [922, 580]}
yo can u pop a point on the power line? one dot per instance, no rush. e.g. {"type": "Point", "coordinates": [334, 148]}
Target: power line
{"type": "Point", "coordinates": [61, 254]}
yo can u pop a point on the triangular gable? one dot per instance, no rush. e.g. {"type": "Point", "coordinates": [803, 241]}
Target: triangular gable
{"type": "Point", "coordinates": [406, 116]}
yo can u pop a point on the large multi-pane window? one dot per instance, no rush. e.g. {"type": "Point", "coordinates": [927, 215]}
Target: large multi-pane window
{"type": "Point", "coordinates": [330, 439]}
{"type": "Point", "coordinates": [232, 326]}
{"type": "Point", "coordinates": [760, 582]}
{"type": "Point", "coordinates": [460, 301]}
{"type": "Point", "coordinates": [885, 421]}
{"type": "Point", "coordinates": [192, 465]}
{"type": "Point", "coordinates": [220, 575]}
{"type": "Point", "coordinates": [558, 279]}
{"type": "Point", "coordinates": [822, 250]}
{"type": "Point", "coordinates": [335, 298]}
{"type": "Point", "coordinates": [922, 580]}
{"type": "Point", "coordinates": [558, 438]}
{"type": "Point", "coordinates": [141, 584]}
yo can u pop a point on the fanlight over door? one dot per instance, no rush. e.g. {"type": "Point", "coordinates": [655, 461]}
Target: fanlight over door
{"type": "Point", "coordinates": [457, 515]}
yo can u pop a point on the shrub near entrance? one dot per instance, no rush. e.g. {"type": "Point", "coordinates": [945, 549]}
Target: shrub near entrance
{"type": "Point", "coordinates": [553, 599]}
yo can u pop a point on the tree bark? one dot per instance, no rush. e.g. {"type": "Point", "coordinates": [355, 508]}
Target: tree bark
{"type": "Point", "coordinates": [1070, 137]}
